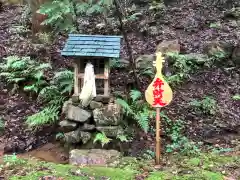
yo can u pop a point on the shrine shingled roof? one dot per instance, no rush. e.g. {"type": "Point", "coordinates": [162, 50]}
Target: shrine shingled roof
{"type": "Point", "coordinates": [92, 45]}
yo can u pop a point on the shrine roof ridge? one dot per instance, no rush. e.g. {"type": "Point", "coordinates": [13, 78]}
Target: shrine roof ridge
{"type": "Point", "coordinates": [92, 46]}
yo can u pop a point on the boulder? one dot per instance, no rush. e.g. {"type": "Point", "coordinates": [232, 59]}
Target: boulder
{"type": "Point", "coordinates": [67, 126]}
{"type": "Point", "coordinates": [87, 127]}
{"type": "Point", "coordinates": [78, 114]}
{"type": "Point", "coordinates": [77, 136]}
{"type": "Point", "coordinates": [95, 105]}
{"type": "Point", "coordinates": [102, 98]}
{"type": "Point", "coordinates": [169, 46]}
{"type": "Point", "coordinates": [66, 105]}
{"type": "Point", "coordinates": [217, 48]}
{"type": "Point", "coordinates": [95, 157]}
{"type": "Point", "coordinates": [111, 131]}
{"type": "Point", "coordinates": [108, 115]}
{"type": "Point", "coordinates": [145, 61]}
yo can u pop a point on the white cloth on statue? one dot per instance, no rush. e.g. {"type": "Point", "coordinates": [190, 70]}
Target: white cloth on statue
{"type": "Point", "coordinates": [89, 88]}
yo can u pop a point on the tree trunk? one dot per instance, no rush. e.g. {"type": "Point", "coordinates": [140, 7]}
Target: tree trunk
{"type": "Point", "coordinates": [37, 18]}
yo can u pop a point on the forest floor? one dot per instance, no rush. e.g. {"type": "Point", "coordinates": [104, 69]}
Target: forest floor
{"type": "Point", "coordinates": [200, 167]}
{"type": "Point", "coordinates": [189, 23]}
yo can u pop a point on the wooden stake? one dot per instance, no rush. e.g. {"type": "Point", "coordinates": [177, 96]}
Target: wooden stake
{"type": "Point", "coordinates": [158, 149]}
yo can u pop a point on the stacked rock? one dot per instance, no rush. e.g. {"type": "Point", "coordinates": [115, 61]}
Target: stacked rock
{"type": "Point", "coordinates": [81, 124]}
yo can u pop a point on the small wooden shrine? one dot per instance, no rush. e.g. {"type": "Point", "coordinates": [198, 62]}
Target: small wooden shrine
{"type": "Point", "coordinates": [97, 49]}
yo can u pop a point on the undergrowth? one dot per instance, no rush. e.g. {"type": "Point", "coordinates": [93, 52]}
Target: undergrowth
{"type": "Point", "coordinates": [208, 105]}
{"type": "Point", "coordinates": [53, 96]}
{"type": "Point", "coordinates": [179, 142]}
{"type": "Point", "coordinates": [137, 109]}
{"type": "Point", "coordinates": [30, 74]}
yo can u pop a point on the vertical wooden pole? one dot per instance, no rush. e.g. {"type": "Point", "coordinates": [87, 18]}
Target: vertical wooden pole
{"type": "Point", "coordinates": [106, 75]}
{"type": "Point", "coordinates": [76, 80]}
{"type": "Point", "coordinates": [158, 140]}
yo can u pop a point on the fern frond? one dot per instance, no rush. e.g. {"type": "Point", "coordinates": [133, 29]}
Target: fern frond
{"type": "Point", "coordinates": [48, 93]}
{"type": "Point", "coordinates": [47, 116]}
{"type": "Point", "coordinates": [143, 120]}
{"type": "Point", "coordinates": [135, 94]}
{"type": "Point", "coordinates": [126, 108]}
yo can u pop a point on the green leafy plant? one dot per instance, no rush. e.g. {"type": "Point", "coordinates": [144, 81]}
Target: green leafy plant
{"type": "Point", "coordinates": [23, 69]}
{"type": "Point", "coordinates": [137, 110]}
{"type": "Point", "coordinates": [179, 142]}
{"type": "Point", "coordinates": [102, 138]}
{"type": "Point", "coordinates": [207, 105]}
{"type": "Point", "coordinates": [53, 96]}
{"type": "Point", "coordinates": [216, 25]}
{"type": "Point", "coordinates": [122, 138]}
{"type": "Point", "coordinates": [48, 115]}
{"type": "Point", "coordinates": [59, 136]}
{"type": "Point", "coordinates": [2, 126]}
{"type": "Point", "coordinates": [148, 154]}
{"type": "Point", "coordinates": [115, 63]}
{"type": "Point", "coordinates": [62, 14]}
{"type": "Point", "coordinates": [13, 160]}
{"type": "Point", "coordinates": [182, 65]}
{"type": "Point", "coordinates": [236, 97]}
{"type": "Point", "coordinates": [64, 81]}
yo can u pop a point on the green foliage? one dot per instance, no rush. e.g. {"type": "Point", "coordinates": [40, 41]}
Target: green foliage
{"type": "Point", "coordinates": [148, 154]}
{"type": "Point", "coordinates": [236, 97]}
{"type": "Point", "coordinates": [64, 81]}
{"type": "Point", "coordinates": [122, 138]}
{"type": "Point", "coordinates": [182, 65]}
{"type": "Point", "coordinates": [53, 95]}
{"type": "Point", "coordinates": [13, 160]}
{"type": "Point", "coordinates": [23, 69]}
{"type": "Point", "coordinates": [216, 25]}
{"type": "Point", "coordinates": [59, 136]}
{"type": "Point", "coordinates": [62, 14]}
{"type": "Point", "coordinates": [2, 125]}
{"type": "Point", "coordinates": [136, 110]}
{"type": "Point", "coordinates": [48, 115]}
{"type": "Point", "coordinates": [115, 63]}
{"type": "Point", "coordinates": [102, 138]}
{"type": "Point", "coordinates": [179, 141]}
{"type": "Point", "coordinates": [207, 105]}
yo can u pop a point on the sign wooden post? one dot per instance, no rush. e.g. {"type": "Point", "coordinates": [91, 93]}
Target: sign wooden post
{"type": "Point", "coordinates": [158, 94]}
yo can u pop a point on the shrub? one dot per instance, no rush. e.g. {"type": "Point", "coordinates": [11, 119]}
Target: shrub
{"type": "Point", "coordinates": [136, 110]}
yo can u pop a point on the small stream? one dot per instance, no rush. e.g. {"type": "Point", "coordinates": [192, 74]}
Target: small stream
{"type": "Point", "coordinates": [50, 152]}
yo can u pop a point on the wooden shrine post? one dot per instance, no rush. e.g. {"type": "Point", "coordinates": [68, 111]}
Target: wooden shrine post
{"type": "Point", "coordinates": [158, 94]}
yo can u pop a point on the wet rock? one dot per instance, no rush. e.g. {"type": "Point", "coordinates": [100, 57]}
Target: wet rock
{"type": "Point", "coordinates": [77, 114]}
{"type": "Point", "coordinates": [66, 105]}
{"type": "Point", "coordinates": [95, 105]}
{"type": "Point", "coordinates": [102, 98]}
{"type": "Point", "coordinates": [77, 136]}
{"type": "Point", "coordinates": [145, 61]}
{"type": "Point", "coordinates": [87, 127]}
{"type": "Point", "coordinates": [111, 131]}
{"type": "Point", "coordinates": [169, 46]}
{"type": "Point", "coordinates": [67, 126]}
{"type": "Point", "coordinates": [108, 115]}
{"type": "Point", "coordinates": [217, 48]}
{"type": "Point", "coordinates": [93, 157]}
